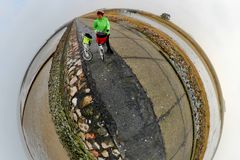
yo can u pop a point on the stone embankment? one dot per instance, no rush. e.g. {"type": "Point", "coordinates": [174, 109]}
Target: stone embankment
{"type": "Point", "coordinates": [81, 128]}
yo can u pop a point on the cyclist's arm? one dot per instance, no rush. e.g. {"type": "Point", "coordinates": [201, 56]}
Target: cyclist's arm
{"type": "Point", "coordinates": [108, 25]}
{"type": "Point", "coordinates": [95, 26]}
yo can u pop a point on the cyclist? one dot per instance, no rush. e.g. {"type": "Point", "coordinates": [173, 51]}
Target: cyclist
{"type": "Point", "coordinates": [101, 24]}
{"type": "Point", "coordinates": [87, 39]}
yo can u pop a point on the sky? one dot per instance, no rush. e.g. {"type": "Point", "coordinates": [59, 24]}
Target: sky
{"type": "Point", "coordinates": [26, 24]}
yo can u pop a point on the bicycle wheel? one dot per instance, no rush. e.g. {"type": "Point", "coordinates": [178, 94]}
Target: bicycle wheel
{"type": "Point", "coordinates": [87, 55]}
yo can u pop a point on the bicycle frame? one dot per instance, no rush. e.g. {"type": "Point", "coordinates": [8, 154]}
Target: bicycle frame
{"type": "Point", "coordinates": [86, 54]}
{"type": "Point", "coordinates": [101, 41]}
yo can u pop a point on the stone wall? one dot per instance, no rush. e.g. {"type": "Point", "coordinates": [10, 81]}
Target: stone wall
{"type": "Point", "coordinates": [59, 100]}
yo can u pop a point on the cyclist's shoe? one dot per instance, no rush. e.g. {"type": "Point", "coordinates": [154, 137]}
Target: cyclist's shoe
{"type": "Point", "coordinates": [110, 51]}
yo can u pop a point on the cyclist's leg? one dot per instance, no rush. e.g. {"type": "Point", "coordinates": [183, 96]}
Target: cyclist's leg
{"type": "Point", "coordinates": [109, 50]}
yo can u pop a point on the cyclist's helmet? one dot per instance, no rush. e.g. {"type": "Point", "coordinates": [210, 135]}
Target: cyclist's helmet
{"type": "Point", "coordinates": [100, 12]}
{"type": "Point", "coordinates": [88, 35]}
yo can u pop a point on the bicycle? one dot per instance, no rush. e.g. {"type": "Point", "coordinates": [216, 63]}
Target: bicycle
{"type": "Point", "coordinates": [86, 53]}
{"type": "Point", "coordinates": [101, 41]}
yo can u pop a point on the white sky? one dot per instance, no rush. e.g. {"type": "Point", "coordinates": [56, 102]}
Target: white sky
{"type": "Point", "coordinates": [25, 25]}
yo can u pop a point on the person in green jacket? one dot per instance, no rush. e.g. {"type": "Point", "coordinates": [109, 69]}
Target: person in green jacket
{"type": "Point", "coordinates": [101, 24]}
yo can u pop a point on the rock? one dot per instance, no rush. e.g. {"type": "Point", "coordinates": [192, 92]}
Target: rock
{"type": "Point", "coordinates": [69, 61]}
{"type": "Point", "coordinates": [96, 146]}
{"type": "Point", "coordinates": [86, 101]}
{"type": "Point", "coordinates": [95, 153]}
{"type": "Point", "coordinates": [89, 145]}
{"type": "Point", "coordinates": [75, 118]}
{"type": "Point", "coordinates": [74, 102]}
{"type": "Point", "coordinates": [78, 112]}
{"type": "Point", "coordinates": [107, 145]}
{"type": "Point", "coordinates": [79, 72]}
{"type": "Point", "coordinates": [87, 90]}
{"type": "Point", "coordinates": [83, 126]}
{"type": "Point", "coordinates": [73, 80]}
{"type": "Point", "coordinates": [105, 154]}
{"type": "Point", "coordinates": [71, 69]}
{"type": "Point", "coordinates": [73, 91]}
{"type": "Point", "coordinates": [100, 158]}
{"type": "Point", "coordinates": [78, 63]}
{"type": "Point", "coordinates": [115, 152]}
{"type": "Point", "coordinates": [80, 86]}
{"type": "Point", "coordinates": [102, 131]}
{"type": "Point", "coordinates": [81, 76]}
{"type": "Point", "coordinates": [70, 75]}
{"type": "Point", "coordinates": [74, 60]}
{"type": "Point", "coordinates": [90, 136]}
{"type": "Point", "coordinates": [77, 55]}
{"type": "Point", "coordinates": [89, 121]}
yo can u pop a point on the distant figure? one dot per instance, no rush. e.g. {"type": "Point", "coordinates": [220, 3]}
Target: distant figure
{"type": "Point", "coordinates": [166, 16]}
{"type": "Point", "coordinates": [101, 24]}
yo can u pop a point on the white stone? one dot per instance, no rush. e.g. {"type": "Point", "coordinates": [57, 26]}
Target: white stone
{"type": "Point", "coordinates": [74, 102]}
{"type": "Point", "coordinates": [96, 145]}
{"type": "Point", "coordinates": [105, 154]}
{"type": "Point", "coordinates": [87, 90]}
{"type": "Point", "coordinates": [89, 121]}
{"type": "Point", "coordinates": [71, 69]}
{"type": "Point", "coordinates": [73, 91]}
{"type": "Point", "coordinates": [116, 152]}
{"type": "Point", "coordinates": [78, 112]}
{"type": "Point", "coordinates": [79, 72]}
{"type": "Point", "coordinates": [78, 63]}
{"type": "Point", "coordinates": [69, 61]}
{"type": "Point", "coordinates": [105, 145]}
{"type": "Point", "coordinates": [83, 126]}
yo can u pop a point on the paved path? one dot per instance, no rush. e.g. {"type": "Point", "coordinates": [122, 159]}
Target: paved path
{"type": "Point", "coordinates": [136, 127]}
{"type": "Point", "coordinates": [159, 80]}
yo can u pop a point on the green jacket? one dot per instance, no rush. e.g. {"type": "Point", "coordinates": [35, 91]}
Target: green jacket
{"type": "Point", "coordinates": [102, 25]}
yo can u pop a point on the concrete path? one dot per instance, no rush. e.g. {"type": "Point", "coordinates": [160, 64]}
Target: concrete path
{"type": "Point", "coordinates": [207, 74]}
{"type": "Point", "coordinates": [159, 80]}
